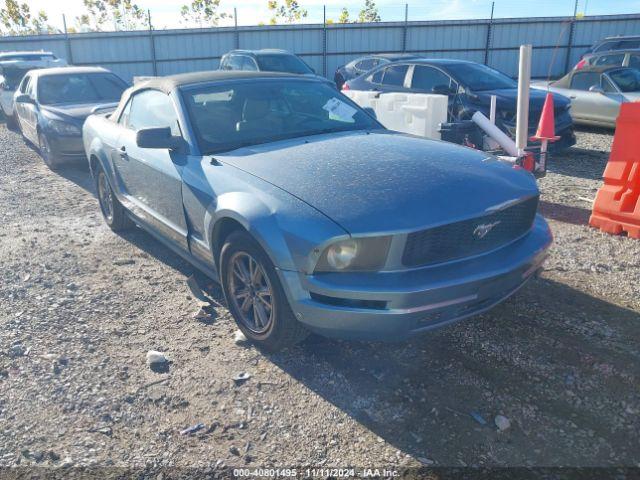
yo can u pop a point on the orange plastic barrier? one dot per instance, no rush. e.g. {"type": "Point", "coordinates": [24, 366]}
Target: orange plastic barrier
{"type": "Point", "coordinates": [617, 205]}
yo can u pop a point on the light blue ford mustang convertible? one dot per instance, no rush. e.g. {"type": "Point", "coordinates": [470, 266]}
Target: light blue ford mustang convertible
{"type": "Point", "coordinates": [308, 212]}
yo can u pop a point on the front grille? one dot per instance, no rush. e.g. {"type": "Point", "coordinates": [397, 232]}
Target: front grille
{"type": "Point", "coordinates": [465, 239]}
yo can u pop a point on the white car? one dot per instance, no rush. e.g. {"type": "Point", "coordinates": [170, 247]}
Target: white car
{"type": "Point", "coordinates": [13, 67]}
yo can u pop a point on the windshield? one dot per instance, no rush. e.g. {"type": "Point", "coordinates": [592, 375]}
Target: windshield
{"type": "Point", "coordinates": [80, 88]}
{"type": "Point", "coordinates": [282, 63]}
{"type": "Point", "coordinates": [480, 77]}
{"type": "Point", "coordinates": [226, 117]}
{"type": "Point", "coordinates": [627, 80]}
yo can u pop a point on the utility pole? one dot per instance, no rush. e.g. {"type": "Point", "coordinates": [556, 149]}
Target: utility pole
{"type": "Point", "coordinates": [235, 26]}
{"type": "Point", "coordinates": [152, 42]}
{"type": "Point", "coordinates": [324, 40]}
{"type": "Point", "coordinates": [406, 26]}
{"type": "Point", "coordinates": [67, 40]}
{"type": "Point", "coordinates": [487, 45]}
{"type": "Point", "coordinates": [572, 28]}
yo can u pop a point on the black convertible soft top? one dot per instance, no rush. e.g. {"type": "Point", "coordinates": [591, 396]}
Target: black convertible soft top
{"type": "Point", "coordinates": [169, 83]}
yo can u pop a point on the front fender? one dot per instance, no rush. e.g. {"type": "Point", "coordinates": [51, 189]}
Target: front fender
{"type": "Point", "coordinates": [288, 231]}
{"type": "Point", "coordinates": [258, 219]}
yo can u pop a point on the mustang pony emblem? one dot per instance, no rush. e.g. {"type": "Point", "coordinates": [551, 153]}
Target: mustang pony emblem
{"type": "Point", "coordinates": [484, 228]}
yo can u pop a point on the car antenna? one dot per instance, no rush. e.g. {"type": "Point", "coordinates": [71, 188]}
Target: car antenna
{"type": "Point", "coordinates": [215, 161]}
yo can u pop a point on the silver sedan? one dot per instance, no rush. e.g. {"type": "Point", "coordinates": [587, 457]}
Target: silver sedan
{"type": "Point", "coordinates": [596, 93]}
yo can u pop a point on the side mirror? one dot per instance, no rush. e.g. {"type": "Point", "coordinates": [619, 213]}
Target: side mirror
{"type": "Point", "coordinates": [3, 83]}
{"type": "Point", "coordinates": [157, 138]}
{"type": "Point", "coordinates": [24, 98]}
{"type": "Point", "coordinates": [596, 89]}
{"type": "Point", "coordinates": [442, 90]}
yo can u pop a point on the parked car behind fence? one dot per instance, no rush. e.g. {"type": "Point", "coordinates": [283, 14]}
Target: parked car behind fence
{"type": "Point", "coordinates": [51, 106]}
{"type": "Point", "coordinates": [469, 87]}
{"type": "Point", "coordinates": [596, 93]}
{"type": "Point", "coordinates": [13, 67]}
{"type": "Point", "coordinates": [362, 65]}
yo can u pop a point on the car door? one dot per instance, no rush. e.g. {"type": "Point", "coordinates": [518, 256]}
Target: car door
{"type": "Point", "coordinates": [587, 106]}
{"type": "Point", "coordinates": [390, 79]}
{"type": "Point", "coordinates": [152, 178]}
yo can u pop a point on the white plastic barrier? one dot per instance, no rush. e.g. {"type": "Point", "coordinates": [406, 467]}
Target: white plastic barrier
{"type": "Point", "coordinates": [415, 113]}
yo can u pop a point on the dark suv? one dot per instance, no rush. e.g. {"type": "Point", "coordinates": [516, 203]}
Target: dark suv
{"type": "Point", "coordinates": [266, 60]}
{"type": "Point", "coordinates": [615, 43]}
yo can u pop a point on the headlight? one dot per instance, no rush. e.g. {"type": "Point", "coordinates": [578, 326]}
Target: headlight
{"type": "Point", "coordinates": [64, 128]}
{"type": "Point", "coordinates": [367, 253]}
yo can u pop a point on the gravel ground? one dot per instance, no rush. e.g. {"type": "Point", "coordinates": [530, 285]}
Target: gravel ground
{"type": "Point", "coordinates": [80, 306]}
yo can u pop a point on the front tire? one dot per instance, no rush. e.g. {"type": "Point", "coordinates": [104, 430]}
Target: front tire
{"type": "Point", "coordinates": [10, 121]}
{"type": "Point", "coordinates": [255, 296]}
{"type": "Point", "coordinates": [113, 212]}
{"type": "Point", "coordinates": [45, 152]}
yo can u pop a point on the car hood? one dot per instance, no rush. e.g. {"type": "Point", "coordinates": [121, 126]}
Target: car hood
{"type": "Point", "coordinates": [384, 181]}
{"type": "Point", "coordinates": [507, 98]}
{"type": "Point", "coordinates": [78, 112]}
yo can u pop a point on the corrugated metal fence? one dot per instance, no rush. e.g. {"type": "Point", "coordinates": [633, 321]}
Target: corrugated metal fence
{"type": "Point", "coordinates": [558, 42]}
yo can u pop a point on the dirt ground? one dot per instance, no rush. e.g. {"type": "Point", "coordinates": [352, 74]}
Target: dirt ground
{"type": "Point", "coordinates": [80, 306]}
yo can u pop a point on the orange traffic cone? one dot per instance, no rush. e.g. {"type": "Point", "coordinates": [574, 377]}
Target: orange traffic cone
{"type": "Point", "coordinates": [547, 124]}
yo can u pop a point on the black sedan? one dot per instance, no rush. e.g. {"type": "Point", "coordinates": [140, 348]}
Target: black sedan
{"type": "Point", "coordinates": [362, 65]}
{"type": "Point", "coordinates": [469, 86]}
{"type": "Point", "coordinates": [52, 104]}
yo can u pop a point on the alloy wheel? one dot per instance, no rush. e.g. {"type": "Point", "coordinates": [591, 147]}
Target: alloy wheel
{"type": "Point", "coordinates": [251, 292]}
{"type": "Point", "coordinates": [105, 197]}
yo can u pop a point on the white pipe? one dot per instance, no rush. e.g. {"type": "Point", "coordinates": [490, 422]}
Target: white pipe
{"type": "Point", "coordinates": [494, 132]}
{"type": "Point", "coordinates": [492, 109]}
{"type": "Point", "coordinates": [524, 82]}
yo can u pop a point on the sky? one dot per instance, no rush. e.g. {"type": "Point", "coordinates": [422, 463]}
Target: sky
{"type": "Point", "coordinates": [165, 13]}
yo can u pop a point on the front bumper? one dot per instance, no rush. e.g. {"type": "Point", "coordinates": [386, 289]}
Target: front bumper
{"type": "Point", "coordinates": [409, 302]}
{"type": "Point", "coordinates": [66, 148]}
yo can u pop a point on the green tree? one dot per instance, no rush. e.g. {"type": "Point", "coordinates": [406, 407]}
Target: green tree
{"type": "Point", "coordinates": [344, 16]}
{"type": "Point", "coordinates": [111, 14]}
{"type": "Point", "coordinates": [369, 13]}
{"type": "Point", "coordinates": [17, 19]}
{"type": "Point", "coordinates": [203, 13]}
{"type": "Point", "coordinates": [289, 11]}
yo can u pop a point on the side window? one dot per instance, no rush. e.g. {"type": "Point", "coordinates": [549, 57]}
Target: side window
{"type": "Point", "coordinates": [24, 84]}
{"type": "Point", "coordinates": [150, 109]}
{"type": "Point", "coordinates": [634, 61]}
{"type": "Point", "coordinates": [124, 117]}
{"type": "Point", "coordinates": [610, 59]}
{"type": "Point", "coordinates": [585, 80]}
{"type": "Point", "coordinates": [629, 44]}
{"type": "Point", "coordinates": [30, 88]}
{"type": "Point", "coordinates": [606, 47]}
{"type": "Point", "coordinates": [377, 76]}
{"type": "Point", "coordinates": [365, 65]}
{"type": "Point", "coordinates": [234, 62]}
{"type": "Point", "coordinates": [607, 86]}
{"type": "Point", "coordinates": [248, 64]}
{"type": "Point", "coordinates": [395, 75]}
{"type": "Point", "coordinates": [425, 78]}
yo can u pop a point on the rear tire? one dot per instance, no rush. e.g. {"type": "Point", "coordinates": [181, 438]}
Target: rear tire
{"type": "Point", "coordinates": [113, 212]}
{"type": "Point", "coordinates": [255, 296]}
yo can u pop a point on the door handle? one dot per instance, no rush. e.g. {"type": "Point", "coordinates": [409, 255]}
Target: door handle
{"type": "Point", "coordinates": [572, 97]}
